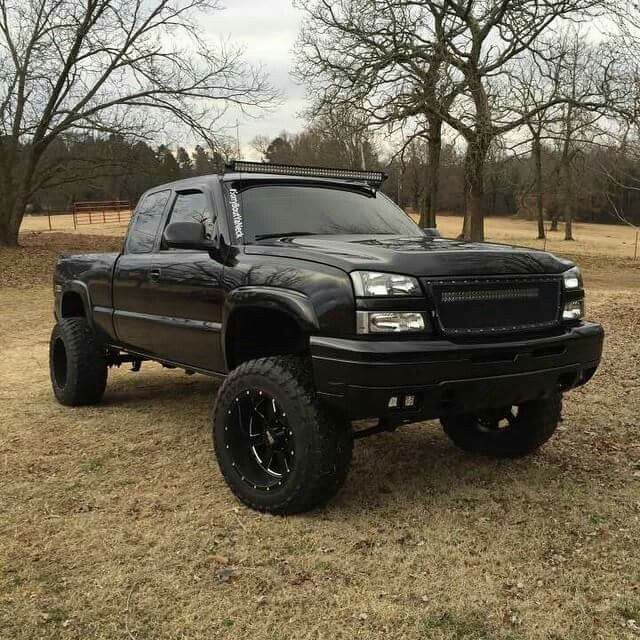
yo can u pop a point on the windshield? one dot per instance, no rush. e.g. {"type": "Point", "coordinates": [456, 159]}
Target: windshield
{"type": "Point", "coordinates": [271, 210]}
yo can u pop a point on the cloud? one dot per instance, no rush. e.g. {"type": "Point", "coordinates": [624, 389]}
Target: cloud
{"type": "Point", "coordinates": [268, 30]}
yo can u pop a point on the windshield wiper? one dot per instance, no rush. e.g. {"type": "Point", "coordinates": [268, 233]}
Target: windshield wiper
{"type": "Point", "coordinates": [290, 234]}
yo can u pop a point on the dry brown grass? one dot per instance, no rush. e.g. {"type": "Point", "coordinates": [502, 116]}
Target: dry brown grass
{"type": "Point", "coordinates": [115, 522]}
{"type": "Point", "coordinates": [590, 239]}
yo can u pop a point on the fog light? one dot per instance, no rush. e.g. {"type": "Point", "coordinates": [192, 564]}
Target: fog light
{"type": "Point", "coordinates": [410, 401]}
{"type": "Point", "coordinates": [393, 402]}
{"type": "Point", "coordinates": [573, 310]}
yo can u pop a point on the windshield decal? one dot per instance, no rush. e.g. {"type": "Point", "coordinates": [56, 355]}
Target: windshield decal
{"type": "Point", "coordinates": [235, 213]}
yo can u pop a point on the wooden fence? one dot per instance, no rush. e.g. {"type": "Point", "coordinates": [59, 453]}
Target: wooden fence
{"type": "Point", "coordinates": [101, 212]}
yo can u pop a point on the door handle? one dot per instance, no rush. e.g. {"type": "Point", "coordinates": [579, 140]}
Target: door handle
{"type": "Point", "coordinates": [154, 275]}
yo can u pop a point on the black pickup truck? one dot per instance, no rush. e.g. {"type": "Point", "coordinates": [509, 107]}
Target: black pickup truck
{"type": "Point", "coordinates": [319, 303]}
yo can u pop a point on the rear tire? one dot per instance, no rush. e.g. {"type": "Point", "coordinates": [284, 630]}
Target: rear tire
{"type": "Point", "coordinates": [279, 450]}
{"type": "Point", "coordinates": [525, 432]}
{"type": "Point", "coordinates": [78, 370]}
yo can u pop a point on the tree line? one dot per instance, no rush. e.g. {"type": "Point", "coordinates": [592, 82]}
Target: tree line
{"type": "Point", "coordinates": [116, 168]}
{"type": "Point", "coordinates": [526, 185]}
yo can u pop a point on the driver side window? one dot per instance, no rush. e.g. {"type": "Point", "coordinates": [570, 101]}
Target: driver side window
{"type": "Point", "coordinates": [192, 206]}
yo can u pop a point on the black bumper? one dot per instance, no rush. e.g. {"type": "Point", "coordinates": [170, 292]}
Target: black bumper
{"type": "Point", "coordinates": [359, 377]}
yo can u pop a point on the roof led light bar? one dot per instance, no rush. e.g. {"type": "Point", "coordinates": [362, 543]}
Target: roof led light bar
{"type": "Point", "coordinates": [374, 178]}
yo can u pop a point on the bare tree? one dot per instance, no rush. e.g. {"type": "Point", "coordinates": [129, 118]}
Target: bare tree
{"type": "Point", "coordinates": [361, 56]}
{"type": "Point", "coordinates": [535, 80]}
{"type": "Point", "coordinates": [585, 76]}
{"type": "Point", "coordinates": [131, 67]}
{"type": "Point", "coordinates": [482, 41]}
{"type": "Point", "coordinates": [445, 60]}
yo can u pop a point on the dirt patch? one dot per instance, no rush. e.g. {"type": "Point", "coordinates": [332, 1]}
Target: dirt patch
{"type": "Point", "coordinates": [117, 524]}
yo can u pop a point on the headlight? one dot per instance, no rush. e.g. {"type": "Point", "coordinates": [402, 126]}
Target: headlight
{"type": "Point", "coordinates": [370, 284]}
{"type": "Point", "coordinates": [389, 322]}
{"type": "Point", "coordinates": [572, 279]}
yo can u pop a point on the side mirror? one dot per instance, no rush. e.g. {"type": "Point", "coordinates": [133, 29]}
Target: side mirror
{"type": "Point", "coordinates": [185, 235]}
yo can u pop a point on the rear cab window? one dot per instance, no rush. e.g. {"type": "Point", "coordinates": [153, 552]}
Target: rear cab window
{"type": "Point", "coordinates": [146, 221]}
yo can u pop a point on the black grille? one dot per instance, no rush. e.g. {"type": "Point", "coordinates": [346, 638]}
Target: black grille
{"type": "Point", "coordinates": [479, 306]}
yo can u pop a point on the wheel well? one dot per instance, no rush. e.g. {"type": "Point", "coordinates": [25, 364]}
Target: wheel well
{"type": "Point", "coordinates": [254, 332]}
{"type": "Point", "coordinates": [72, 306]}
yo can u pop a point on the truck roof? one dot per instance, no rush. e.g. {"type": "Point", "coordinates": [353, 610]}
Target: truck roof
{"type": "Point", "coordinates": [275, 177]}
{"type": "Point", "coordinates": [210, 179]}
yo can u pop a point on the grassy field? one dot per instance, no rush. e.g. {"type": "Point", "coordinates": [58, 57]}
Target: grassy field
{"type": "Point", "coordinates": [115, 522]}
{"type": "Point", "coordinates": [64, 223]}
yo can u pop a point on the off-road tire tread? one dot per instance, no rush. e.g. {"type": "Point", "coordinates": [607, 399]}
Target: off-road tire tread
{"type": "Point", "coordinates": [330, 456]}
{"type": "Point", "coordinates": [87, 369]}
{"type": "Point", "coordinates": [537, 422]}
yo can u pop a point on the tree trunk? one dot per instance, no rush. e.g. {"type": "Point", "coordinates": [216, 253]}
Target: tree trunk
{"type": "Point", "coordinates": [568, 225]}
{"type": "Point", "coordinates": [474, 180]}
{"type": "Point", "coordinates": [434, 142]}
{"type": "Point", "coordinates": [475, 212]}
{"type": "Point", "coordinates": [568, 222]}
{"type": "Point", "coordinates": [11, 214]}
{"type": "Point", "coordinates": [17, 186]}
{"type": "Point", "coordinates": [568, 205]}
{"type": "Point", "coordinates": [537, 156]}
{"type": "Point", "coordinates": [9, 228]}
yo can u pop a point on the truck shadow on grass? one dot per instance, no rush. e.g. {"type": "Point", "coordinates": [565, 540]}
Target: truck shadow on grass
{"type": "Point", "coordinates": [412, 466]}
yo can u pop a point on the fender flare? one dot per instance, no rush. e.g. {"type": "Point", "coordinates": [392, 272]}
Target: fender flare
{"type": "Point", "coordinates": [81, 289]}
{"type": "Point", "coordinates": [294, 304]}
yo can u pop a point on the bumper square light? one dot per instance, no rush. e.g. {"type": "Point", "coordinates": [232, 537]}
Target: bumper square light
{"type": "Point", "coordinates": [573, 310]}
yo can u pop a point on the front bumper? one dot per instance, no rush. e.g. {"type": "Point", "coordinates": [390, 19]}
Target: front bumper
{"type": "Point", "coordinates": [359, 377]}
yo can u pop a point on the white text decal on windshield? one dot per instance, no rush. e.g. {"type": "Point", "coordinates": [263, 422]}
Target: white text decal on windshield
{"type": "Point", "coordinates": [235, 213]}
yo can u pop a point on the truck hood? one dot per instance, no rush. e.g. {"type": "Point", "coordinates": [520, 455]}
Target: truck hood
{"type": "Point", "coordinates": [414, 256]}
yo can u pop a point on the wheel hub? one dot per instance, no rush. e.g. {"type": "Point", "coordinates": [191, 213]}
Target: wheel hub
{"type": "Point", "coordinates": [259, 439]}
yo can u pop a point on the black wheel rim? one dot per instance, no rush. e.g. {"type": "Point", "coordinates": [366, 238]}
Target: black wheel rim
{"type": "Point", "coordinates": [259, 439]}
{"type": "Point", "coordinates": [60, 363]}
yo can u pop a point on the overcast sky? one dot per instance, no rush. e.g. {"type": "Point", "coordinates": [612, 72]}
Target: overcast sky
{"type": "Point", "coordinates": [268, 30]}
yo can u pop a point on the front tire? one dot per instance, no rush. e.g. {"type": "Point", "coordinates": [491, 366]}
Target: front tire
{"type": "Point", "coordinates": [78, 370]}
{"type": "Point", "coordinates": [278, 449]}
{"type": "Point", "coordinates": [511, 433]}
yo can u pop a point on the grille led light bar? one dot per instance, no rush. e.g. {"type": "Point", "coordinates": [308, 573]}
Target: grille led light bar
{"type": "Point", "coordinates": [489, 295]}
{"type": "Point", "coordinates": [374, 178]}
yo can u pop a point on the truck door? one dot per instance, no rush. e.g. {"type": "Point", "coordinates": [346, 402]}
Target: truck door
{"type": "Point", "coordinates": [134, 280]}
{"type": "Point", "coordinates": [189, 296]}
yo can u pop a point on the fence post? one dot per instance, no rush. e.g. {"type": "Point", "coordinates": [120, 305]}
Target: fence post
{"type": "Point", "coordinates": [635, 255]}
{"type": "Point", "coordinates": [49, 216]}
{"type": "Point", "coordinates": [73, 214]}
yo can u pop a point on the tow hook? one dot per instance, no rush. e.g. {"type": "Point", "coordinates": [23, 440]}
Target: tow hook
{"type": "Point", "coordinates": [385, 425]}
